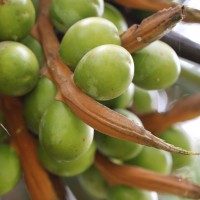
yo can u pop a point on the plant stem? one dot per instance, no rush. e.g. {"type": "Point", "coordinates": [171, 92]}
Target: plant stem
{"type": "Point", "coordinates": [185, 109]}
{"type": "Point", "coordinates": [152, 28]}
{"type": "Point", "coordinates": [192, 15]}
{"type": "Point", "coordinates": [134, 176]}
{"type": "Point", "coordinates": [87, 109]}
{"type": "Point", "coordinates": [37, 179]}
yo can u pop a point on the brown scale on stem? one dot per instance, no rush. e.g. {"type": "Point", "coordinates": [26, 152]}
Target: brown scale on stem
{"type": "Point", "coordinates": [95, 114]}
{"type": "Point", "coordinates": [151, 28]}
{"type": "Point", "coordinates": [192, 15]}
{"type": "Point", "coordinates": [134, 176]}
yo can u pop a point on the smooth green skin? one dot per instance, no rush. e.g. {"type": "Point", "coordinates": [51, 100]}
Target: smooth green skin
{"type": "Point", "coordinates": [85, 35]}
{"type": "Point", "coordinates": [36, 6]}
{"type": "Point", "coordinates": [191, 172]}
{"type": "Point", "coordinates": [179, 138]}
{"type": "Point", "coordinates": [10, 172]}
{"type": "Point", "coordinates": [62, 134]}
{"type": "Point", "coordinates": [35, 46]}
{"type": "Point", "coordinates": [103, 77]}
{"type": "Point", "coordinates": [64, 13]}
{"type": "Point", "coordinates": [19, 69]}
{"type": "Point", "coordinates": [37, 101]}
{"type": "Point", "coordinates": [157, 66]}
{"type": "Point", "coordinates": [116, 148]}
{"type": "Point", "coordinates": [71, 168]}
{"type": "Point", "coordinates": [153, 159]}
{"type": "Point", "coordinates": [122, 101]}
{"type": "Point", "coordinates": [129, 193]}
{"type": "Point", "coordinates": [128, 114]}
{"type": "Point", "coordinates": [93, 183]}
{"type": "Point", "coordinates": [189, 78]}
{"type": "Point", "coordinates": [115, 16]}
{"type": "Point", "coordinates": [17, 19]}
{"type": "Point", "coordinates": [144, 101]}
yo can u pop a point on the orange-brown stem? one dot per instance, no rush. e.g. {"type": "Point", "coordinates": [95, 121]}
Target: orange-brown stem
{"type": "Point", "coordinates": [151, 28]}
{"type": "Point", "coordinates": [145, 179]}
{"type": "Point", "coordinates": [153, 5]}
{"type": "Point", "coordinates": [185, 109]}
{"type": "Point", "coordinates": [37, 179]}
{"type": "Point", "coordinates": [192, 15]}
{"type": "Point", "coordinates": [95, 114]}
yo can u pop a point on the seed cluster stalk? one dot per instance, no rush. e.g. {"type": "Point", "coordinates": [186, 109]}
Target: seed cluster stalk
{"type": "Point", "coordinates": [37, 179]}
{"type": "Point", "coordinates": [103, 119]}
{"type": "Point", "coordinates": [192, 15]}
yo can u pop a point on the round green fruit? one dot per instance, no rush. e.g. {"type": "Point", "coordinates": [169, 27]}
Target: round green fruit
{"type": "Point", "coordinates": [153, 159]}
{"type": "Point", "coordinates": [10, 172]}
{"type": "Point", "coordinates": [128, 114]}
{"type": "Point", "coordinates": [103, 77]}
{"type": "Point", "coordinates": [36, 6]}
{"type": "Point", "coordinates": [145, 101]}
{"type": "Point", "coordinates": [37, 101]}
{"type": "Point", "coordinates": [62, 134]}
{"type": "Point", "coordinates": [157, 66]}
{"type": "Point", "coordinates": [85, 35]}
{"type": "Point", "coordinates": [116, 148]}
{"type": "Point", "coordinates": [35, 46]}
{"type": "Point", "coordinates": [71, 168]}
{"type": "Point", "coordinates": [179, 138]}
{"type": "Point", "coordinates": [129, 193]}
{"type": "Point", "coordinates": [19, 69]}
{"type": "Point", "coordinates": [64, 13]}
{"type": "Point", "coordinates": [123, 101]}
{"type": "Point", "coordinates": [115, 16]}
{"type": "Point", "coordinates": [17, 19]}
{"type": "Point", "coordinates": [93, 183]}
